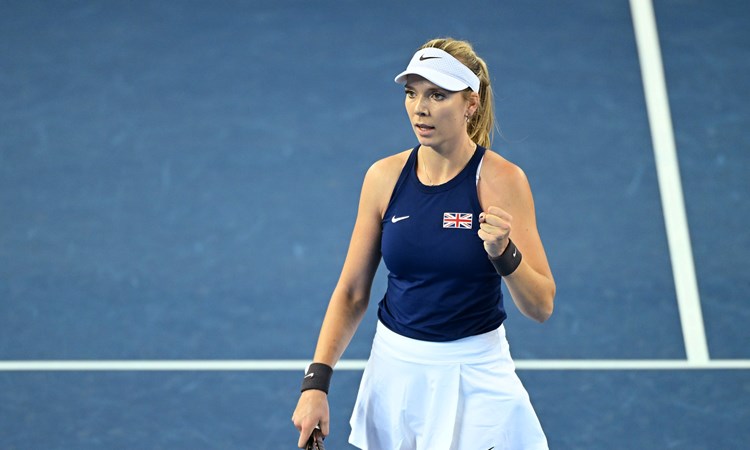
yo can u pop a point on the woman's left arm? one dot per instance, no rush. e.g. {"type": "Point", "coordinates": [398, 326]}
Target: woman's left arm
{"type": "Point", "coordinates": [506, 198]}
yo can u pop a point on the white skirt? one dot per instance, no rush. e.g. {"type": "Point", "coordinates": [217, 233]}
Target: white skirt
{"type": "Point", "coordinates": [464, 394]}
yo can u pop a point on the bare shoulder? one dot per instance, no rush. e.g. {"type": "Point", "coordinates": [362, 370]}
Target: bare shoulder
{"type": "Point", "coordinates": [498, 175]}
{"type": "Point", "coordinates": [389, 166]}
{"type": "Point", "coordinates": [384, 173]}
{"type": "Point", "coordinates": [381, 179]}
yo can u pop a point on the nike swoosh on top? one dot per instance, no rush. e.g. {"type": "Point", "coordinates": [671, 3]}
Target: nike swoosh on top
{"type": "Point", "coordinates": [395, 219]}
{"type": "Point", "coordinates": [423, 57]}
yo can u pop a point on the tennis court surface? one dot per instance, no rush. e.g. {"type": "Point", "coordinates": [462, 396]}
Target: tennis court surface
{"type": "Point", "coordinates": [178, 182]}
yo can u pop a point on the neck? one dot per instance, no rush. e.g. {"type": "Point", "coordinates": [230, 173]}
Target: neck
{"type": "Point", "coordinates": [437, 165]}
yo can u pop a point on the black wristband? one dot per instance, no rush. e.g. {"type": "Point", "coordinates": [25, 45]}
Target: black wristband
{"type": "Point", "coordinates": [508, 261]}
{"type": "Point", "coordinates": [317, 376]}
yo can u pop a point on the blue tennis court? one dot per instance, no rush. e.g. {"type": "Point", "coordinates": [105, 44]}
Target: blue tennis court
{"type": "Point", "coordinates": [179, 180]}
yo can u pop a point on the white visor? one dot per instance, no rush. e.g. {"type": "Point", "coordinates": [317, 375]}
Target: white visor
{"type": "Point", "coordinates": [442, 69]}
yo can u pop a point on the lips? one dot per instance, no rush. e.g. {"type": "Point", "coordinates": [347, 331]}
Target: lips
{"type": "Point", "coordinates": [423, 130]}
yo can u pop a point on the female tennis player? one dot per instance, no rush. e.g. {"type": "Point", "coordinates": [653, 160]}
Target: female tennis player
{"type": "Point", "coordinates": [451, 219]}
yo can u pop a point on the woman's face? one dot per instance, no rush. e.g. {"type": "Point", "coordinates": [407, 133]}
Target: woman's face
{"type": "Point", "coordinates": [437, 116]}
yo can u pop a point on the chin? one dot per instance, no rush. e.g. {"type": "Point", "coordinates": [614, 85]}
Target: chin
{"type": "Point", "coordinates": [425, 141]}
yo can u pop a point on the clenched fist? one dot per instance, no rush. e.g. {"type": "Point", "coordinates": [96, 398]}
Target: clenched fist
{"type": "Point", "coordinates": [494, 230]}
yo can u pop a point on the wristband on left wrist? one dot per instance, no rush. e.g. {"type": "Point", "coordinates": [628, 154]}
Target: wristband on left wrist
{"type": "Point", "coordinates": [317, 376]}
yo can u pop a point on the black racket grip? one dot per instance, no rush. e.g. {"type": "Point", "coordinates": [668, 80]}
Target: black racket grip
{"type": "Point", "coordinates": [316, 441]}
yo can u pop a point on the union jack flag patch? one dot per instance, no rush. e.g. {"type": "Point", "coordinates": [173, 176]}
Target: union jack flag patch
{"type": "Point", "coordinates": [457, 220]}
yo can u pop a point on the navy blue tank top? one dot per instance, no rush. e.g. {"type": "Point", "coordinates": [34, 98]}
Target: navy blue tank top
{"type": "Point", "coordinates": [441, 285]}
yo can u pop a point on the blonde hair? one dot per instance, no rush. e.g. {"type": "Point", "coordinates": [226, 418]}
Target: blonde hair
{"type": "Point", "coordinates": [482, 122]}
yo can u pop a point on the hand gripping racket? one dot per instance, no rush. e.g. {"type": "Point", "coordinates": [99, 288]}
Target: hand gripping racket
{"type": "Point", "coordinates": [316, 441]}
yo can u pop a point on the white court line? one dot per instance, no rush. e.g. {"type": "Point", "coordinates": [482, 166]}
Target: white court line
{"type": "Point", "coordinates": [670, 185]}
{"type": "Point", "coordinates": [354, 364]}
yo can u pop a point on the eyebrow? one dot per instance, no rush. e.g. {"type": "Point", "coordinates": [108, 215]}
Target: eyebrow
{"type": "Point", "coordinates": [431, 89]}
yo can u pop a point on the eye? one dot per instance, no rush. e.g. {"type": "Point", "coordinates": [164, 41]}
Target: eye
{"type": "Point", "coordinates": [438, 96]}
{"type": "Point", "coordinates": [409, 93]}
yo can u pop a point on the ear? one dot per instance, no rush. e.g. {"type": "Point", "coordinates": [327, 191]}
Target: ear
{"type": "Point", "coordinates": [472, 103]}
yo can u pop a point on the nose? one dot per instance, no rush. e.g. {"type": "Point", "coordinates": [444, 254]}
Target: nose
{"type": "Point", "coordinates": [420, 108]}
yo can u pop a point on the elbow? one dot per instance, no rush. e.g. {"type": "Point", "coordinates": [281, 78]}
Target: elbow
{"type": "Point", "coordinates": [541, 311]}
{"type": "Point", "coordinates": [356, 300]}
{"type": "Point", "coordinates": [547, 306]}
{"type": "Point", "coordinates": [544, 313]}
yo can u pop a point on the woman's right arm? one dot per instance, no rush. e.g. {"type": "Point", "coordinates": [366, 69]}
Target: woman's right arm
{"type": "Point", "coordinates": [352, 293]}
